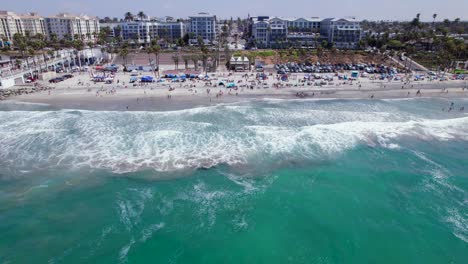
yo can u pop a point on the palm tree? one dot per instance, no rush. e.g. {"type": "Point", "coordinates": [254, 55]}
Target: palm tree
{"type": "Point", "coordinates": [18, 64]}
{"type": "Point", "coordinates": [22, 45]}
{"type": "Point", "coordinates": [41, 44]}
{"type": "Point", "coordinates": [124, 54]}
{"type": "Point", "coordinates": [90, 46]}
{"type": "Point", "coordinates": [149, 51]}
{"type": "Point", "coordinates": [51, 53]}
{"type": "Point", "coordinates": [227, 52]}
{"type": "Point", "coordinates": [141, 15]}
{"type": "Point", "coordinates": [416, 22]}
{"type": "Point", "coordinates": [175, 58]}
{"type": "Point", "coordinates": [195, 59]}
{"type": "Point", "coordinates": [111, 50]}
{"type": "Point", "coordinates": [269, 34]}
{"type": "Point", "coordinates": [129, 16]}
{"type": "Point", "coordinates": [32, 52]}
{"type": "Point", "coordinates": [186, 60]}
{"type": "Point", "coordinates": [78, 45]}
{"type": "Point", "coordinates": [204, 51]}
{"type": "Point", "coordinates": [434, 16]}
{"type": "Point", "coordinates": [316, 39]}
{"type": "Point", "coordinates": [54, 42]}
{"type": "Point", "coordinates": [155, 49]}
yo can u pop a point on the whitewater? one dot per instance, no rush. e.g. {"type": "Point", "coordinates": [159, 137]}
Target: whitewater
{"type": "Point", "coordinates": [208, 136]}
{"type": "Point", "coordinates": [256, 181]}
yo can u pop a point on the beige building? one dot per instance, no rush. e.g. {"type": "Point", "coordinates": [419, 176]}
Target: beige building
{"type": "Point", "coordinates": [34, 24]}
{"type": "Point", "coordinates": [10, 24]}
{"type": "Point", "coordinates": [64, 24]}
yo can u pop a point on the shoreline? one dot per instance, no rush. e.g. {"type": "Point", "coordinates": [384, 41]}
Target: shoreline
{"type": "Point", "coordinates": [139, 101]}
{"type": "Point", "coordinates": [76, 93]}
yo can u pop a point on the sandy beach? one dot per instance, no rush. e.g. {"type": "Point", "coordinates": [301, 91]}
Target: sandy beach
{"type": "Point", "coordinates": [80, 93]}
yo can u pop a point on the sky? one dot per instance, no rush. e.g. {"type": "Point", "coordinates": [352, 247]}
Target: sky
{"type": "Point", "coordinates": [362, 9]}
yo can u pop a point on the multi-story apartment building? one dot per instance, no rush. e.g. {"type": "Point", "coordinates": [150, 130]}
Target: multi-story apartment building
{"type": "Point", "coordinates": [143, 32]}
{"type": "Point", "coordinates": [136, 31]}
{"type": "Point", "coordinates": [303, 25]}
{"type": "Point", "coordinates": [202, 25]}
{"type": "Point", "coordinates": [260, 31]}
{"type": "Point", "coordinates": [115, 29]}
{"type": "Point", "coordinates": [172, 30]}
{"type": "Point", "coordinates": [10, 24]}
{"type": "Point", "coordinates": [342, 32]}
{"type": "Point", "coordinates": [306, 32]}
{"type": "Point", "coordinates": [66, 25]}
{"type": "Point", "coordinates": [277, 31]}
{"type": "Point", "coordinates": [34, 24]}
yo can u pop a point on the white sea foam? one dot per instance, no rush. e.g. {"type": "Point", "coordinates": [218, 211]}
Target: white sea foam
{"type": "Point", "coordinates": [14, 102]}
{"type": "Point", "coordinates": [131, 209]}
{"type": "Point", "coordinates": [440, 184]}
{"type": "Point", "coordinates": [206, 136]}
{"type": "Point", "coordinates": [207, 201]}
{"type": "Point", "coordinates": [459, 223]}
{"type": "Point", "coordinates": [124, 251]}
{"type": "Point", "coordinates": [242, 181]}
{"type": "Point", "coordinates": [150, 230]}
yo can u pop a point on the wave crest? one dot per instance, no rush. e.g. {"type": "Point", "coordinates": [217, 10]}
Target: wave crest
{"type": "Point", "coordinates": [205, 137]}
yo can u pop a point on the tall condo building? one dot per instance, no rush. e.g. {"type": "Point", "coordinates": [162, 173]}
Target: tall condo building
{"type": "Point", "coordinates": [71, 26]}
{"type": "Point", "coordinates": [202, 25]}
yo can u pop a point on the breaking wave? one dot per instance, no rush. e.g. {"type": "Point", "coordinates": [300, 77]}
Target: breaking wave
{"type": "Point", "coordinates": [208, 136]}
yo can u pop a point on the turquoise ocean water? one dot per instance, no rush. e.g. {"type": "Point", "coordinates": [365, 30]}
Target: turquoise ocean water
{"type": "Point", "coordinates": [268, 181]}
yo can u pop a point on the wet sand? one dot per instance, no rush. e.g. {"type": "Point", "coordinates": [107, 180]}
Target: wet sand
{"type": "Point", "coordinates": [157, 97]}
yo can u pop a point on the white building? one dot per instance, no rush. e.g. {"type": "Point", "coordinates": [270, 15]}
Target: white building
{"type": "Point", "coordinates": [115, 29]}
{"type": "Point", "coordinates": [276, 32]}
{"type": "Point", "coordinates": [303, 24]}
{"type": "Point", "coordinates": [143, 32]}
{"type": "Point", "coordinates": [10, 24]}
{"type": "Point", "coordinates": [64, 24]}
{"type": "Point", "coordinates": [306, 32]}
{"type": "Point", "coordinates": [260, 31]}
{"type": "Point", "coordinates": [202, 25]}
{"type": "Point", "coordinates": [342, 32]}
{"type": "Point", "coordinates": [34, 24]}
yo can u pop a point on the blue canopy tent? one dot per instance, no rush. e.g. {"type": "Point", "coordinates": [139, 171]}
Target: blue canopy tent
{"type": "Point", "coordinates": [231, 85]}
{"type": "Point", "coordinates": [147, 79]}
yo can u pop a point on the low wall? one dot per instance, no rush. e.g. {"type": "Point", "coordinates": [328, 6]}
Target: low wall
{"type": "Point", "coordinates": [47, 76]}
{"type": "Point", "coordinates": [7, 83]}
